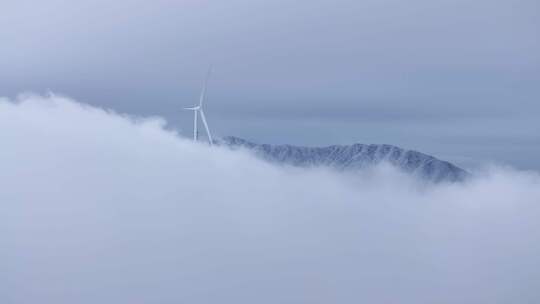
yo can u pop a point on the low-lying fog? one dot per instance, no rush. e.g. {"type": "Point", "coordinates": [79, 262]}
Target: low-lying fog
{"type": "Point", "coordinates": [98, 207]}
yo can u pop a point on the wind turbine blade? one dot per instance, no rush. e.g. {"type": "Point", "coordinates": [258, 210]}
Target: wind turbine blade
{"type": "Point", "coordinates": [206, 126]}
{"type": "Point", "coordinates": [195, 131]}
{"type": "Point", "coordinates": [203, 92]}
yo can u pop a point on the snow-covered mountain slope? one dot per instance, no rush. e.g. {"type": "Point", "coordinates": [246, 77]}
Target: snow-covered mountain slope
{"type": "Point", "coordinates": [353, 157]}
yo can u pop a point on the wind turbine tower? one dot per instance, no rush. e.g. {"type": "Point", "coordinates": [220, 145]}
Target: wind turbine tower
{"type": "Point", "coordinates": [198, 110]}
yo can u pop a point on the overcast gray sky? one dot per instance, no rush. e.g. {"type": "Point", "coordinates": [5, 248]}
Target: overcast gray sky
{"type": "Point", "coordinates": [459, 79]}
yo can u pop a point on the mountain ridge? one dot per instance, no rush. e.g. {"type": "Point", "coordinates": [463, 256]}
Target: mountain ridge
{"type": "Point", "coordinates": [353, 157]}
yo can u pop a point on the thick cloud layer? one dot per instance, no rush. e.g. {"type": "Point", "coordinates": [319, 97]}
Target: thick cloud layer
{"type": "Point", "coordinates": [97, 207]}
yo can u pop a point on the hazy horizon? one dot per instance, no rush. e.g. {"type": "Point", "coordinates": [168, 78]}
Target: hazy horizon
{"type": "Point", "coordinates": [455, 79]}
{"type": "Point", "coordinates": [105, 198]}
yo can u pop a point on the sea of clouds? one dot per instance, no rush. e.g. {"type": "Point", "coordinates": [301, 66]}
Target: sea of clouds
{"type": "Point", "coordinates": [99, 207]}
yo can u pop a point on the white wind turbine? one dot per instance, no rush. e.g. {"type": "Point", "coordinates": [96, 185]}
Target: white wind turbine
{"type": "Point", "coordinates": [199, 110]}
